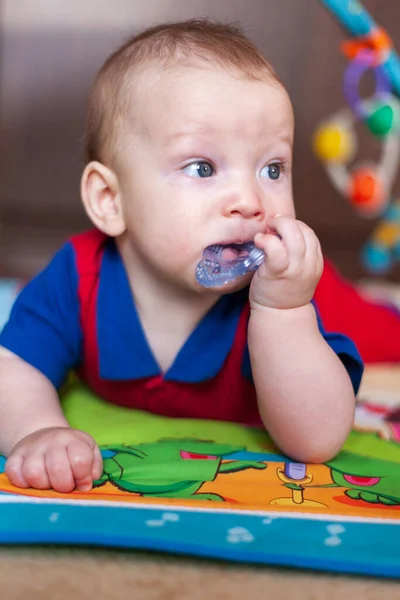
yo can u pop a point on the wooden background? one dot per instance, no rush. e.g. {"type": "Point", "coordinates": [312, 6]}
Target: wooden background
{"type": "Point", "coordinates": [50, 50]}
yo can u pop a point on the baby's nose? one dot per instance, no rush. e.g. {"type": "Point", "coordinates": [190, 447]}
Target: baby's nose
{"type": "Point", "coordinates": [247, 205]}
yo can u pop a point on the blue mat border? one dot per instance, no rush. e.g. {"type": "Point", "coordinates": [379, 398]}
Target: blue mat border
{"type": "Point", "coordinates": [367, 546]}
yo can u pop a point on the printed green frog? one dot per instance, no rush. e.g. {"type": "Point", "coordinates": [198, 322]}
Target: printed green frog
{"type": "Point", "coordinates": [170, 468]}
{"type": "Point", "coordinates": [370, 479]}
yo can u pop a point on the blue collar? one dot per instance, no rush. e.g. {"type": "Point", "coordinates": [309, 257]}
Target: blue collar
{"type": "Point", "coordinates": [124, 352]}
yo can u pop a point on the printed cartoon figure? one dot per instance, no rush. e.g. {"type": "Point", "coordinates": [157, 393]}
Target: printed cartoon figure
{"type": "Point", "coordinates": [294, 477]}
{"type": "Point", "coordinates": [370, 479]}
{"type": "Point", "coordinates": [170, 468]}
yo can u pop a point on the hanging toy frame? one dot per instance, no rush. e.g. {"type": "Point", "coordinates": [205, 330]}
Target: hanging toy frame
{"type": "Point", "coordinates": [367, 185]}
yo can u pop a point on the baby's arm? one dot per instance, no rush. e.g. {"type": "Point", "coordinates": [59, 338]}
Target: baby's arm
{"type": "Point", "coordinates": [44, 452]}
{"type": "Point", "coordinates": [305, 395]}
{"type": "Point", "coordinates": [39, 345]}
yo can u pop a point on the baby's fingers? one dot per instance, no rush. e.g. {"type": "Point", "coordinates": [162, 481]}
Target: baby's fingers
{"type": "Point", "coordinates": [277, 257]}
{"type": "Point", "coordinates": [59, 470]}
{"type": "Point", "coordinates": [34, 471]}
{"type": "Point", "coordinates": [97, 470]}
{"type": "Point", "coordinates": [14, 470]}
{"type": "Point", "coordinates": [81, 459]}
{"type": "Point", "coordinates": [313, 247]}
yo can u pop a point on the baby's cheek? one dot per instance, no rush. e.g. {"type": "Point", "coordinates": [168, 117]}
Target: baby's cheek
{"type": "Point", "coordinates": [184, 253]}
{"type": "Point", "coordinates": [288, 211]}
{"type": "Point", "coordinates": [181, 241]}
{"type": "Point", "coordinates": [174, 251]}
{"type": "Point", "coordinates": [285, 204]}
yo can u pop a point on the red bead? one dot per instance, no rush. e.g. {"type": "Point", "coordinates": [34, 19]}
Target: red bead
{"type": "Point", "coordinates": [365, 188]}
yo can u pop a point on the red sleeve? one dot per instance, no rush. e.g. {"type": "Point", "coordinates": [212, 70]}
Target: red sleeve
{"type": "Point", "coordinates": [373, 327]}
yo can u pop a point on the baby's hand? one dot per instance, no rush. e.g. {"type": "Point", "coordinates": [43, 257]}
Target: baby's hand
{"type": "Point", "coordinates": [292, 268]}
{"type": "Point", "coordinates": [56, 457]}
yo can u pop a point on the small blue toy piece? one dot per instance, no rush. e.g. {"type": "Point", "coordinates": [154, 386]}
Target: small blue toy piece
{"type": "Point", "coordinates": [215, 270]}
{"type": "Point", "coordinates": [295, 471]}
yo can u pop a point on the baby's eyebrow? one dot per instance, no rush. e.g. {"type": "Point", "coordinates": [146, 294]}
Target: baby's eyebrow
{"type": "Point", "coordinates": [177, 136]}
{"type": "Point", "coordinates": [189, 137]}
{"type": "Point", "coordinates": [285, 141]}
{"type": "Point", "coordinates": [187, 133]}
{"type": "Point", "coordinates": [194, 127]}
{"type": "Point", "coordinates": [210, 136]}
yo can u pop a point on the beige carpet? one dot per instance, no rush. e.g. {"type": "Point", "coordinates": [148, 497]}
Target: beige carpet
{"type": "Point", "coordinates": [97, 574]}
{"type": "Point", "coordinates": [92, 574]}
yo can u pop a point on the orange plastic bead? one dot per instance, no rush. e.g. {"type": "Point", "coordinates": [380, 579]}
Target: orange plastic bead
{"type": "Point", "coordinates": [366, 190]}
{"type": "Point", "coordinates": [377, 41]}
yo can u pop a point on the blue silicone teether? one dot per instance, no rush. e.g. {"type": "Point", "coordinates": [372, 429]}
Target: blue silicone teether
{"type": "Point", "coordinates": [215, 270]}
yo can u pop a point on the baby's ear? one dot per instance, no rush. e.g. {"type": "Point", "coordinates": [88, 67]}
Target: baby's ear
{"type": "Point", "coordinates": [102, 199]}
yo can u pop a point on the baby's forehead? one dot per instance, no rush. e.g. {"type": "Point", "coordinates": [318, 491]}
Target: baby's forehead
{"type": "Point", "coordinates": [189, 83]}
{"type": "Point", "coordinates": [199, 100]}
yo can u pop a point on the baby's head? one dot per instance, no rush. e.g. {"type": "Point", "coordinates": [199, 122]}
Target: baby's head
{"type": "Point", "coordinates": [112, 98]}
{"type": "Point", "coordinates": [189, 144]}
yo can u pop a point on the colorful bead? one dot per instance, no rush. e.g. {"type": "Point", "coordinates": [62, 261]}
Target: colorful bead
{"type": "Point", "coordinates": [383, 119]}
{"type": "Point", "coordinates": [334, 143]}
{"type": "Point", "coordinates": [365, 189]}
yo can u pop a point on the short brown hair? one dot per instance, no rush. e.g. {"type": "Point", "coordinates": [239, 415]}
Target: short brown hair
{"type": "Point", "coordinates": [166, 44]}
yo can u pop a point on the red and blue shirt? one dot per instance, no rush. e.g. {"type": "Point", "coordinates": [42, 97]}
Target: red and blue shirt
{"type": "Point", "coordinates": [79, 313]}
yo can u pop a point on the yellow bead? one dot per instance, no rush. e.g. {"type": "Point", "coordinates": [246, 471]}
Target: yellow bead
{"type": "Point", "coordinates": [333, 143]}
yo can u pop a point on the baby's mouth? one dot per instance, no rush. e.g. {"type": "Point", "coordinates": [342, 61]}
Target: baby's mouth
{"type": "Point", "coordinates": [229, 252]}
{"type": "Point", "coordinates": [223, 263]}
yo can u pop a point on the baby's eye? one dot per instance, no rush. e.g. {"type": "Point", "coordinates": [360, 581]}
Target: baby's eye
{"type": "Point", "coordinates": [271, 171]}
{"type": "Point", "coordinates": [200, 168]}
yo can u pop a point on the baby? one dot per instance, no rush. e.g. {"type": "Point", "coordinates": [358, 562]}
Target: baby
{"type": "Point", "coordinates": [189, 145]}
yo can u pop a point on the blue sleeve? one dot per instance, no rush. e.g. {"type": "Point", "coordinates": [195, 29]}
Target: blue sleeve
{"type": "Point", "coordinates": [345, 349]}
{"type": "Point", "coordinates": [44, 325]}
